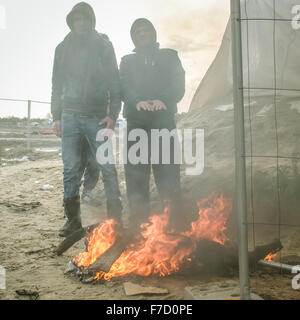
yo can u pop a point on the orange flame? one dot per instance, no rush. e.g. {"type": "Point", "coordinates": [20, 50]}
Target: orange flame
{"type": "Point", "coordinates": [158, 251]}
{"type": "Point", "coordinates": [270, 257]}
{"type": "Point", "coordinates": [101, 239]}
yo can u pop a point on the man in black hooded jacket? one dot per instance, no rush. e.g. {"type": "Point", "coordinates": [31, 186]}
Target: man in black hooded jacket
{"type": "Point", "coordinates": [153, 82]}
{"type": "Point", "coordinates": [85, 99]}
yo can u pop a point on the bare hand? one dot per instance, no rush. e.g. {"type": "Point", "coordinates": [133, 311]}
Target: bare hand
{"type": "Point", "coordinates": [158, 105]}
{"type": "Point", "coordinates": [110, 126]}
{"type": "Point", "coordinates": [143, 105]}
{"type": "Point", "coordinates": [57, 128]}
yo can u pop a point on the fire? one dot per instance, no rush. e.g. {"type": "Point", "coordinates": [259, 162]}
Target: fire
{"type": "Point", "coordinates": [157, 250]}
{"type": "Point", "coordinates": [270, 257]}
{"type": "Point", "coordinates": [101, 239]}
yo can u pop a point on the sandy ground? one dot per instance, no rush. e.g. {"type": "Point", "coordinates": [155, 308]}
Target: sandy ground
{"type": "Point", "coordinates": [30, 218]}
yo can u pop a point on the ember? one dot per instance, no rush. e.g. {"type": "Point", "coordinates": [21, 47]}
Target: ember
{"type": "Point", "coordinates": [157, 250]}
{"type": "Point", "coordinates": [270, 257]}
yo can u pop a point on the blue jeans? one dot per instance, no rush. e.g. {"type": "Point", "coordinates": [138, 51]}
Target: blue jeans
{"type": "Point", "coordinates": [74, 129]}
{"type": "Point", "coordinates": [89, 168]}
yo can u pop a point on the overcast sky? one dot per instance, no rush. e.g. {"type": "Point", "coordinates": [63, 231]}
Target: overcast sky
{"type": "Point", "coordinates": [31, 29]}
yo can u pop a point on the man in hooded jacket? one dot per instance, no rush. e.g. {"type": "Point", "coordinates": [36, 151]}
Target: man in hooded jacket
{"type": "Point", "coordinates": [85, 99]}
{"type": "Point", "coordinates": [152, 82]}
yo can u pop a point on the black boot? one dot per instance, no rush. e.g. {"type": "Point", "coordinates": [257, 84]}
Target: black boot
{"type": "Point", "coordinates": [179, 219]}
{"type": "Point", "coordinates": [114, 210]}
{"type": "Point", "coordinates": [72, 212]}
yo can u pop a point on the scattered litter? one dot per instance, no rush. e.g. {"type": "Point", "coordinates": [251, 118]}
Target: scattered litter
{"type": "Point", "coordinates": [24, 159]}
{"type": "Point", "coordinates": [4, 164]}
{"type": "Point", "coordinates": [33, 295]}
{"type": "Point", "coordinates": [47, 150]}
{"type": "Point", "coordinates": [132, 289]}
{"type": "Point", "coordinates": [84, 276]}
{"type": "Point", "coordinates": [88, 280]}
{"type": "Point", "coordinates": [71, 267]}
{"type": "Point", "coordinates": [47, 187]}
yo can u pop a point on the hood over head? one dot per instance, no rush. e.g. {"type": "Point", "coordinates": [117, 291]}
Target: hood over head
{"type": "Point", "coordinates": [142, 22]}
{"type": "Point", "coordinates": [84, 9]}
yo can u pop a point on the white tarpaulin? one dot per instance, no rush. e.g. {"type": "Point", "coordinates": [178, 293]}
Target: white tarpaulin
{"type": "Point", "coordinates": [265, 44]}
{"type": "Point", "coordinates": [272, 127]}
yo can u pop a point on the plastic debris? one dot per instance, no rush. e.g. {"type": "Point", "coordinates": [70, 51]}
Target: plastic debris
{"type": "Point", "coordinates": [47, 187]}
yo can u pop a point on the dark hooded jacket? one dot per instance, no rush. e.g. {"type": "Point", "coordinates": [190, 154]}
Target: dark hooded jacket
{"type": "Point", "coordinates": [85, 76]}
{"type": "Point", "coordinates": [151, 74]}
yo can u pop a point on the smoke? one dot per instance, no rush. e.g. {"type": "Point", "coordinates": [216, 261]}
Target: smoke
{"type": "Point", "coordinates": [195, 30]}
{"type": "Point", "coordinates": [2, 17]}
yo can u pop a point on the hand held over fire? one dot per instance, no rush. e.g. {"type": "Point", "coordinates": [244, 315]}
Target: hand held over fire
{"type": "Point", "coordinates": [151, 105]}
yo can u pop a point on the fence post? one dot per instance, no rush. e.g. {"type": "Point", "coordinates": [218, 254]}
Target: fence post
{"type": "Point", "coordinates": [241, 195]}
{"type": "Point", "coordinates": [28, 125]}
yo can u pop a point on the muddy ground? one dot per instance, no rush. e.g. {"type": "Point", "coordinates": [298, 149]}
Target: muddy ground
{"type": "Point", "coordinates": [30, 218]}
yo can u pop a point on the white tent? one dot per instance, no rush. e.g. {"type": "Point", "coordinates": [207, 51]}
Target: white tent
{"type": "Point", "coordinates": [265, 44]}
{"type": "Point", "coordinates": [272, 122]}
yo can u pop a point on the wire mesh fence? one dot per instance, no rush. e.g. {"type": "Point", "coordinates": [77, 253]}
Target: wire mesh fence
{"type": "Point", "coordinates": [271, 85]}
{"type": "Point", "coordinates": [29, 104]}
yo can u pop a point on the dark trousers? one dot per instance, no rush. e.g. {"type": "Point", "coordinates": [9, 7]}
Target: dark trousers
{"type": "Point", "coordinates": [166, 176]}
{"type": "Point", "coordinates": [89, 168]}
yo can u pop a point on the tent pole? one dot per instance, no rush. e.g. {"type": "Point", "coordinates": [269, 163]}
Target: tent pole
{"type": "Point", "coordinates": [241, 196]}
{"type": "Point", "coordinates": [28, 138]}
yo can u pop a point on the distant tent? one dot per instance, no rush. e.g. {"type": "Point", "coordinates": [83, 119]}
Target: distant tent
{"type": "Point", "coordinates": [258, 54]}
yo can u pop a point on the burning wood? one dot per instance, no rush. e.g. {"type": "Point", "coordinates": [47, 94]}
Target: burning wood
{"type": "Point", "coordinates": [156, 250]}
{"type": "Point", "coordinates": [265, 251]}
{"type": "Point", "coordinates": [218, 257]}
{"type": "Point", "coordinates": [270, 257]}
{"type": "Point", "coordinates": [160, 251]}
{"type": "Point", "coordinates": [110, 256]}
{"type": "Point", "coordinates": [69, 241]}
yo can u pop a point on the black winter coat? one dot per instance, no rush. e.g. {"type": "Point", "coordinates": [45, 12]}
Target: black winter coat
{"type": "Point", "coordinates": [160, 77]}
{"type": "Point", "coordinates": [85, 77]}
